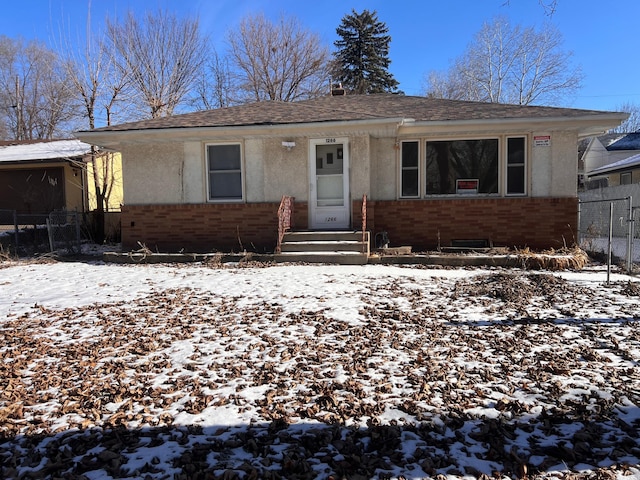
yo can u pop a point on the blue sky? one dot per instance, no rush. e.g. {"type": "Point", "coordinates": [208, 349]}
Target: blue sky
{"type": "Point", "coordinates": [426, 34]}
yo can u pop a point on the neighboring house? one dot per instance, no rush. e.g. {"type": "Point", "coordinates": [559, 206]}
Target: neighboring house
{"type": "Point", "coordinates": [38, 177]}
{"type": "Point", "coordinates": [622, 172]}
{"type": "Point", "coordinates": [434, 171]}
{"type": "Point", "coordinates": [609, 150]}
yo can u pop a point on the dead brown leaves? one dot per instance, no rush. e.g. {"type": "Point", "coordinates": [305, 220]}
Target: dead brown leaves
{"type": "Point", "coordinates": [419, 378]}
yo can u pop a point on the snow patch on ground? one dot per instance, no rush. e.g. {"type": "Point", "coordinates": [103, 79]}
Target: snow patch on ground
{"type": "Point", "coordinates": [298, 371]}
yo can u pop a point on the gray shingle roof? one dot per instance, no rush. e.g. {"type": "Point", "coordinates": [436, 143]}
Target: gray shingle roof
{"type": "Point", "coordinates": [349, 108]}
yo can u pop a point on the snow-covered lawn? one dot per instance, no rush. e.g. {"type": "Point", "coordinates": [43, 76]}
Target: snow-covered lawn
{"type": "Point", "coordinates": [298, 371]}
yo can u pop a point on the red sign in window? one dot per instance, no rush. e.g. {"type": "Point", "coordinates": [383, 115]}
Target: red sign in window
{"type": "Point", "coordinates": [467, 186]}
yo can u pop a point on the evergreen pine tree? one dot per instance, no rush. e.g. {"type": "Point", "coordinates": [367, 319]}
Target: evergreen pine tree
{"type": "Point", "coordinates": [362, 58]}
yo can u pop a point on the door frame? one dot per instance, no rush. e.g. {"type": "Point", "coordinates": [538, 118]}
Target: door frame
{"type": "Point", "coordinates": [329, 217]}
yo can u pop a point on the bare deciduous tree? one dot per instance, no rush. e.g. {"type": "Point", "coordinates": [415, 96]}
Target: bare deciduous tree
{"type": "Point", "coordinates": [549, 6]}
{"type": "Point", "coordinates": [449, 85]}
{"type": "Point", "coordinates": [278, 61]}
{"type": "Point", "coordinates": [97, 85]}
{"type": "Point", "coordinates": [34, 90]}
{"type": "Point", "coordinates": [631, 124]}
{"type": "Point", "coordinates": [162, 55]}
{"type": "Point", "coordinates": [215, 87]}
{"type": "Point", "coordinates": [507, 64]}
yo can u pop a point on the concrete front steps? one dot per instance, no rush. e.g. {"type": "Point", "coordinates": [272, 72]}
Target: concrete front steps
{"type": "Point", "coordinates": [341, 247]}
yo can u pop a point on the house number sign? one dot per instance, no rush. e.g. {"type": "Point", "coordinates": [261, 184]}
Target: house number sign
{"type": "Point", "coordinates": [329, 140]}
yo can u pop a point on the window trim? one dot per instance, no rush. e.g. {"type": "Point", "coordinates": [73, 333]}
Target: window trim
{"type": "Point", "coordinates": [419, 168]}
{"type": "Point", "coordinates": [502, 166]}
{"type": "Point", "coordinates": [242, 199]}
{"type": "Point", "coordinates": [628, 175]}
{"type": "Point", "coordinates": [524, 164]}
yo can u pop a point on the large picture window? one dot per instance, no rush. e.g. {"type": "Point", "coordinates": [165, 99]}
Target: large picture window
{"type": "Point", "coordinates": [410, 167]}
{"type": "Point", "coordinates": [224, 166]}
{"type": "Point", "coordinates": [452, 160]}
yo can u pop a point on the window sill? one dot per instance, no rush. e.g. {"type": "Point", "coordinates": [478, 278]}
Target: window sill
{"type": "Point", "coordinates": [226, 200]}
{"type": "Point", "coordinates": [454, 196]}
{"type": "Point", "coordinates": [458, 196]}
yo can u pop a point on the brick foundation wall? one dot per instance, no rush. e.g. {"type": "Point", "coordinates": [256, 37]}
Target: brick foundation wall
{"type": "Point", "coordinates": [537, 223]}
{"type": "Point", "coordinates": [300, 216]}
{"type": "Point", "coordinates": [201, 228]}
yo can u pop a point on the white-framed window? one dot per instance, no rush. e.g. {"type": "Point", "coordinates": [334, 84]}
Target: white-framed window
{"type": "Point", "coordinates": [410, 169]}
{"type": "Point", "coordinates": [625, 178]}
{"type": "Point", "coordinates": [224, 172]}
{"type": "Point", "coordinates": [516, 166]}
{"type": "Point", "coordinates": [463, 166]}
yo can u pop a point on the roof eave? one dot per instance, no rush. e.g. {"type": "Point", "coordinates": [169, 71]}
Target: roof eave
{"type": "Point", "coordinates": [605, 171]}
{"type": "Point", "coordinates": [111, 139]}
{"type": "Point", "coordinates": [585, 125]}
{"type": "Point", "coordinates": [30, 161]}
{"type": "Point", "coordinates": [621, 165]}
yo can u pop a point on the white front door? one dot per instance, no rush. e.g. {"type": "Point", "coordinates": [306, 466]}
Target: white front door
{"type": "Point", "coordinates": [329, 206]}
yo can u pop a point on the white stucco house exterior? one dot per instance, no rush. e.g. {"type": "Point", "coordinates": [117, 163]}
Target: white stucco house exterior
{"type": "Point", "coordinates": [432, 170]}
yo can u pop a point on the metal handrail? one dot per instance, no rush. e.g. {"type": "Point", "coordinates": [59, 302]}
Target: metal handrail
{"type": "Point", "coordinates": [364, 222]}
{"type": "Point", "coordinates": [285, 219]}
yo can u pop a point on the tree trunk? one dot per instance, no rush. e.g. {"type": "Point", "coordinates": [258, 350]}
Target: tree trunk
{"type": "Point", "coordinates": [99, 213]}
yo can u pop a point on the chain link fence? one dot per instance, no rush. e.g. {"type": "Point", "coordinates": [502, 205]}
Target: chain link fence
{"type": "Point", "coordinates": [609, 225]}
{"type": "Point", "coordinates": [28, 234]}
{"type": "Point", "coordinates": [8, 229]}
{"type": "Point", "coordinates": [64, 232]}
